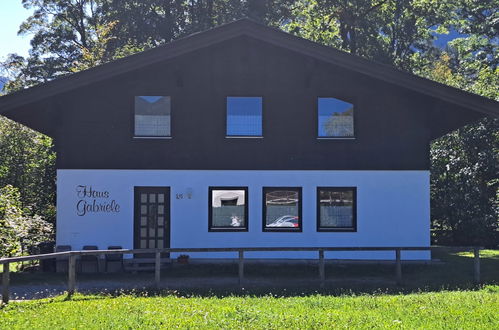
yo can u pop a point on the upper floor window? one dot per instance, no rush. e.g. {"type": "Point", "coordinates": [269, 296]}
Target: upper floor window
{"type": "Point", "coordinates": [228, 209]}
{"type": "Point", "coordinates": [152, 116]}
{"type": "Point", "coordinates": [335, 118]}
{"type": "Point", "coordinates": [244, 116]}
{"type": "Point", "coordinates": [282, 209]}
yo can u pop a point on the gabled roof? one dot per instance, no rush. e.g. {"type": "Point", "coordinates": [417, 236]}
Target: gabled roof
{"type": "Point", "coordinates": [246, 27]}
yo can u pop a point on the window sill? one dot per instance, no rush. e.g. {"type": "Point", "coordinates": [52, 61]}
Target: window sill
{"type": "Point", "coordinates": [336, 138]}
{"type": "Point", "coordinates": [340, 230]}
{"type": "Point", "coordinates": [267, 230]}
{"type": "Point", "coordinates": [152, 137]}
{"type": "Point", "coordinates": [243, 137]}
{"type": "Point", "coordinates": [214, 230]}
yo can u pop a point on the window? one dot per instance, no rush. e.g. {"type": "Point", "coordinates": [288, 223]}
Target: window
{"type": "Point", "coordinates": [282, 209]}
{"type": "Point", "coordinates": [228, 209]}
{"type": "Point", "coordinates": [244, 116]}
{"type": "Point", "coordinates": [335, 118]}
{"type": "Point", "coordinates": [337, 209]}
{"type": "Point", "coordinates": [152, 116]}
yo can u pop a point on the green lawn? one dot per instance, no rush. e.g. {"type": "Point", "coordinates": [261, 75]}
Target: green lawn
{"type": "Point", "coordinates": [447, 309]}
{"type": "Point", "coordinates": [440, 295]}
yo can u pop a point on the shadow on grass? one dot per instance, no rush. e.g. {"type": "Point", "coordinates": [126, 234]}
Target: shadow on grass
{"type": "Point", "coordinates": [453, 272]}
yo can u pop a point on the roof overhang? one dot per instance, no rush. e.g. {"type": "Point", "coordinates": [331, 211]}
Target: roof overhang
{"type": "Point", "coordinates": [245, 27]}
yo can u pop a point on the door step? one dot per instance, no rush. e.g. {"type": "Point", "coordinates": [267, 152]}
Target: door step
{"type": "Point", "coordinates": [144, 264]}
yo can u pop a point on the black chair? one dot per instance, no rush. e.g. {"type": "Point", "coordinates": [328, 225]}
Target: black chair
{"type": "Point", "coordinates": [89, 263]}
{"type": "Point", "coordinates": [46, 265]}
{"type": "Point", "coordinates": [114, 262]}
{"type": "Point", "coordinates": [62, 263]}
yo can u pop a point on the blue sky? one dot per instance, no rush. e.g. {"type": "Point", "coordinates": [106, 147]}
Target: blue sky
{"type": "Point", "coordinates": [443, 39]}
{"type": "Point", "coordinates": [12, 14]}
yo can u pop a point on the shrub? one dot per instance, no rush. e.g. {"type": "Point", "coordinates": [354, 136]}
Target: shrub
{"type": "Point", "coordinates": [19, 231]}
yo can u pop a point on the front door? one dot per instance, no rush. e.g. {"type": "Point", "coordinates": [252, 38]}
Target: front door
{"type": "Point", "coordinates": [152, 218]}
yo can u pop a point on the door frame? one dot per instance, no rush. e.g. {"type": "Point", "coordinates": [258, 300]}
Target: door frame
{"type": "Point", "coordinates": [136, 214]}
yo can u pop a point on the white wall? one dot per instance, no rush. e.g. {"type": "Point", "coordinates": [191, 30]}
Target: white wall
{"type": "Point", "coordinates": [393, 209]}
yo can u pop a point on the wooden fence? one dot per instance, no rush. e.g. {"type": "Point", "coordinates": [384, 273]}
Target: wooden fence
{"type": "Point", "coordinates": [72, 256]}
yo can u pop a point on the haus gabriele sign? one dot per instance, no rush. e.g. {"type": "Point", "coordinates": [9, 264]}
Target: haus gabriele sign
{"type": "Point", "coordinates": [94, 201]}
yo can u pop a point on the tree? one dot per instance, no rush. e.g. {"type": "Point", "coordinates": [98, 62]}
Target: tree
{"type": "Point", "coordinates": [19, 230]}
{"type": "Point", "coordinates": [27, 162]}
{"type": "Point", "coordinates": [387, 31]}
{"type": "Point", "coordinates": [465, 163]}
{"type": "Point", "coordinates": [65, 31]}
{"type": "Point", "coordinates": [465, 185]}
{"type": "Point", "coordinates": [60, 28]}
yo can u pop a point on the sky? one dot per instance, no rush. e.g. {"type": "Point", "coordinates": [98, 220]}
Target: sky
{"type": "Point", "coordinates": [443, 39]}
{"type": "Point", "coordinates": [12, 14]}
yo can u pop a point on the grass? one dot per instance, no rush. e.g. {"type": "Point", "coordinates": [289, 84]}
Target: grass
{"type": "Point", "coordinates": [487, 254]}
{"type": "Point", "coordinates": [435, 310]}
{"type": "Point", "coordinates": [359, 295]}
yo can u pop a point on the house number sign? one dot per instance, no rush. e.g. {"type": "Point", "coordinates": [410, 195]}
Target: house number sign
{"type": "Point", "coordinates": [94, 201]}
{"type": "Point", "coordinates": [186, 195]}
{"type": "Point", "coordinates": [183, 196]}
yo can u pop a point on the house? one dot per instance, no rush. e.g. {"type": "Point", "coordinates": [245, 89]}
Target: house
{"type": "Point", "coordinates": [245, 136]}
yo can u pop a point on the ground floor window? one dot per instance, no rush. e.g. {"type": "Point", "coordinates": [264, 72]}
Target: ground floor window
{"type": "Point", "coordinates": [228, 209]}
{"type": "Point", "coordinates": [336, 209]}
{"type": "Point", "coordinates": [282, 209]}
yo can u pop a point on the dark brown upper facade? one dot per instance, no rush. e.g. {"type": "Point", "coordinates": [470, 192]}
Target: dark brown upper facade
{"type": "Point", "coordinates": [90, 115]}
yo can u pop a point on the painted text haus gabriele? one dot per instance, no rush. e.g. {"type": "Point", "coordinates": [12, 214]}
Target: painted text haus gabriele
{"type": "Point", "coordinates": [244, 136]}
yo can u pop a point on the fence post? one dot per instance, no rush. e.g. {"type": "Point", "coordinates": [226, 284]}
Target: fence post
{"type": "Point", "coordinates": [157, 270]}
{"type": "Point", "coordinates": [5, 283]}
{"type": "Point", "coordinates": [71, 274]}
{"type": "Point", "coordinates": [322, 271]}
{"type": "Point", "coordinates": [476, 251]}
{"type": "Point", "coordinates": [398, 267]}
{"type": "Point", "coordinates": [241, 267]}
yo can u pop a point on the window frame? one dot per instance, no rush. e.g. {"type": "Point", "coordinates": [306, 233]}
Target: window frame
{"type": "Point", "coordinates": [348, 99]}
{"type": "Point", "coordinates": [245, 228]}
{"type": "Point", "coordinates": [152, 137]}
{"type": "Point", "coordinates": [353, 228]}
{"type": "Point", "coordinates": [264, 211]}
{"type": "Point", "coordinates": [227, 136]}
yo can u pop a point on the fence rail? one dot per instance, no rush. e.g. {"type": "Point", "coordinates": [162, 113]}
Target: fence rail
{"type": "Point", "coordinates": [72, 256]}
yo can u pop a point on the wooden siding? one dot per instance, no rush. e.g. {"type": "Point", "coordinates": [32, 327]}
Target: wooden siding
{"type": "Point", "coordinates": [95, 125]}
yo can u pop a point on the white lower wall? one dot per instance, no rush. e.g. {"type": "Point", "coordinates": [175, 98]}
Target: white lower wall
{"type": "Point", "coordinates": [393, 209]}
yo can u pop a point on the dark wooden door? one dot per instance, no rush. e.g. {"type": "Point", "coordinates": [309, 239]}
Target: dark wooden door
{"type": "Point", "coordinates": [152, 217]}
